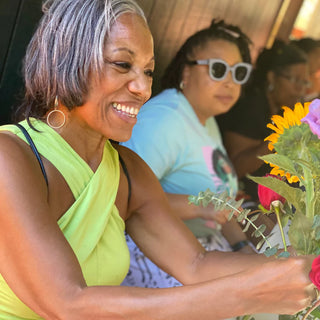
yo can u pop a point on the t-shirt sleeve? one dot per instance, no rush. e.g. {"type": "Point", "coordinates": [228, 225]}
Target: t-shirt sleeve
{"type": "Point", "coordinates": [155, 138]}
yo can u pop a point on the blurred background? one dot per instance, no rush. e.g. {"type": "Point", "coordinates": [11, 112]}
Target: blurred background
{"type": "Point", "coordinates": [171, 22]}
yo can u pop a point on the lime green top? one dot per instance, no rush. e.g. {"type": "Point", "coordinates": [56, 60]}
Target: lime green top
{"type": "Point", "coordinates": [92, 225]}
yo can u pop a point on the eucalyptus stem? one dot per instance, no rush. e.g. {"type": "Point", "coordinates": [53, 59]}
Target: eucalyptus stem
{"type": "Point", "coordinates": [246, 218]}
{"type": "Point", "coordinates": [277, 211]}
{"type": "Point", "coordinates": [262, 235]}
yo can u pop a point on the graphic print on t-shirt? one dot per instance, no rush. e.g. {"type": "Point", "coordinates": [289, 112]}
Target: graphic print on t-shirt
{"type": "Point", "coordinates": [221, 170]}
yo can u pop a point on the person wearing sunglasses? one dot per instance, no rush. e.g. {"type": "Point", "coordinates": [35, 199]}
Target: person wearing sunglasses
{"type": "Point", "coordinates": [280, 78]}
{"type": "Point", "coordinates": [177, 135]}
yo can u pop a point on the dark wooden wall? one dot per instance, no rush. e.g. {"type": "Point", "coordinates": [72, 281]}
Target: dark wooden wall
{"type": "Point", "coordinates": [17, 22]}
{"type": "Point", "coordinates": [171, 22]}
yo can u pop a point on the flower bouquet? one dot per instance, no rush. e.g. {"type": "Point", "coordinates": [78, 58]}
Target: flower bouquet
{"type": "Point", "coordinates": [292, 189]}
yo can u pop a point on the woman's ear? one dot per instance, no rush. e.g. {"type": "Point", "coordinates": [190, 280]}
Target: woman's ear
{"type": "Point", "coordinates": [185, 75]}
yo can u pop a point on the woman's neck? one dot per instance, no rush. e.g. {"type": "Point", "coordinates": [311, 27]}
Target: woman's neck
{"type": "Point", "coordinates": [87, 143]}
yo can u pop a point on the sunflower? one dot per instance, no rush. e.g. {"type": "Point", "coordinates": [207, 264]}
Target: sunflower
{"type": "Point", "coordinates": [290, 118]}
{"type": "Point", "coordinates": [286, 134]}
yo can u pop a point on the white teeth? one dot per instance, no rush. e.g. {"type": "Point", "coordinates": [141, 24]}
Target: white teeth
{"type": "Point", "coordinates": [130, 111]}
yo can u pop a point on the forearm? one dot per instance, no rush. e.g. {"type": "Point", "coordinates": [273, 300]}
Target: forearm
{"type": "Point", "coordinates": [216, 264]}
{"type": "Point", "coordinates": [234, 235]}
{"type": "Point", "coordinates": [185, 210]}
{"type": "Point", "coordinates": [247, 161]}
{"type": "Point", "coordinates": [181, 206]}
{"type": "Point", "coordinates": [258, 289]}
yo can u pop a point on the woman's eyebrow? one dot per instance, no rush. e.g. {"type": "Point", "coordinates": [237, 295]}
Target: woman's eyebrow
{"type": "Point", "coordinates": [129, 51]}
{"type": "Point", "coordinates": [123, 49]}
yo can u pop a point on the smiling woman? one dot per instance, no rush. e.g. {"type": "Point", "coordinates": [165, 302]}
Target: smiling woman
{"type": "Point", "coordinates": [67, 194]}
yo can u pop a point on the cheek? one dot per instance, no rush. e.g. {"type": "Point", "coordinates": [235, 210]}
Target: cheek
{"type": "Point", "coordinates": [237, 93]}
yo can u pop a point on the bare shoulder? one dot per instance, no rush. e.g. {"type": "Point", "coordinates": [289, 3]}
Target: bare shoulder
{"type": "Point", "coordinates": [16, 156]}
{"type": "Point", "coordinates": [21, 175]}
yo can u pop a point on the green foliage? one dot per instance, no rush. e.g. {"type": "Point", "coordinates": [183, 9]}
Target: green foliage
{"type": "Point", "coordinates": [298, 153]}
{"type": "Point", "coordinates": [293, 195]}
{"type": "Point", "coordinates": [302, 234]}
{"type": "Point", "coordinates": [222, 201]}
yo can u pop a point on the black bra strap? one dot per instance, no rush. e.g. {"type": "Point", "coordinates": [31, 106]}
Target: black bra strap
{"type": "Point", "coordinates": [34, 149]}
{"type": "Point", "coordinates": [126, 172]}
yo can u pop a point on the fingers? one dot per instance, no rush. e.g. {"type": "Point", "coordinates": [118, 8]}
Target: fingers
{"type": "Point", "coordinates": [313, 294]}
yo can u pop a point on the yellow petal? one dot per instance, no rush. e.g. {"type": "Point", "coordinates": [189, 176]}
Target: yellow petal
{"type": "Point", "coordinates": [289, 115]}
{"type": "Point", "coordinates": [299, 112]}
{"type": "Point", "coordinates": [280, 122]}
{"type": "Point", "coordinates": [274, 128]}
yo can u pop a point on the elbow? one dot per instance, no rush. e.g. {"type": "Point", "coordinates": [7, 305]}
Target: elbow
{"type": "Point", "coordinates": [67, 306]}
{"type": "Point", "coordinates": [194, 273]}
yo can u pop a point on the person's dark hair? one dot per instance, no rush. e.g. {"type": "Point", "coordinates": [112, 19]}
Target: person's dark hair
{"type": "Point", "coordinates": [218, 30]}
{"type": "Point", "coordinates": [280, 56]}
{"type": "Point", "coordinates": [67, 46]}
{"type": "Point", "coordinates": [306, 44]}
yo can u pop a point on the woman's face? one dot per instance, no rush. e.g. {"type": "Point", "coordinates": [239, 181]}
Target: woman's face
{"type": "Point", "coordinates": [289, 86]}
{"type": "Point", "coordinates": [112, 104]}
{"type": "Point", "coordinates": [209, 97]}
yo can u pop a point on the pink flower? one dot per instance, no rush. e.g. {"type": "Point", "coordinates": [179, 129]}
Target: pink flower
{"type": "Point", "coordinates": [314, 274]}
{"type": "Point", "coordinates": [313, 117]}
{"type": "Point", "coordinates": [267, 196]}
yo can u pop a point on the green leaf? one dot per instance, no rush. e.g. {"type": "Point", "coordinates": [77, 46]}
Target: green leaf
{"type": "Point", "coordinates": [260, 243]}
{"type": "Point", "coordinates": [254, 217]}
{"type": "Point", "coordinates": [270, 252]}
{"type": "Point", "coordinates": [231, 214]}
{"type": "Point", "coordinates": [294, 196]}
{"type": "Point", "coordinates": [243, 215]}
{"type": "Point", "coordinates": [300, 234]}
{"type": "Point", "coordinates": [258, 232]}
{"type": "Point", "coordinates": [316, 313]}
{"type": "Point", "coordinates": [281, 161]}
{"type": "Point", "coordinates": [245, 229]}
{"type": "Point", "coordinates": [284, 254]}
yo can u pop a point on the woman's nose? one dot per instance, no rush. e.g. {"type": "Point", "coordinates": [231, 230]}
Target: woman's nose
{"type": "Point", "coordinates": [140, 84]}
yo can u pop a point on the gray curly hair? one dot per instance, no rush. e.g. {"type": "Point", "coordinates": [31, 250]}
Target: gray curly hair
{"type": "Point", "coordinates": [67, 46]}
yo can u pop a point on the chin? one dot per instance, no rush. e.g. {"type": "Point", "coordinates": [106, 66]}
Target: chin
{"type": "Point", "coordinates": [223, 109]}
{"type": "Point", "coordinates": [123, 137]}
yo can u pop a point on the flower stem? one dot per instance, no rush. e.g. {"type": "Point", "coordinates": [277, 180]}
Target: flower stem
{"type": "Point", "coordinates": [277, 211]}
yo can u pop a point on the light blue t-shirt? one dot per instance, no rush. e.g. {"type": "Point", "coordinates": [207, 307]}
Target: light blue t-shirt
{"type": "Point", "coordinates": [186, 156]}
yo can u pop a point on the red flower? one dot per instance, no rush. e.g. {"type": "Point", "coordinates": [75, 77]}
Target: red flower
{"type": "Point", "coordinates": [314, 274]}
{"type": "Point", "coordinates": [267, 196]}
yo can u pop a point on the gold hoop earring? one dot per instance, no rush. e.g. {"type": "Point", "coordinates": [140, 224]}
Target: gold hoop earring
{"type": "Point", "coordinates": [56, 113]}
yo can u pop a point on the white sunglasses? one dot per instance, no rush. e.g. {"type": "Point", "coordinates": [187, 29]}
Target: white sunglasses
{"type": "Point", "coordinates": [218, 69]}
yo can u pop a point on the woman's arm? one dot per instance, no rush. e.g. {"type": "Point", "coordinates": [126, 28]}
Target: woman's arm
{"type": "Point", "coordinates": [230, 229]}
{"type": "Point", "coordinates": [172, 246]}
{"type": "Point", "coordinates": [40, 267]}
{"type": "Point", "coordinates": [244, 152]}
{"type": "Point", "coordinates": [184, 210]}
